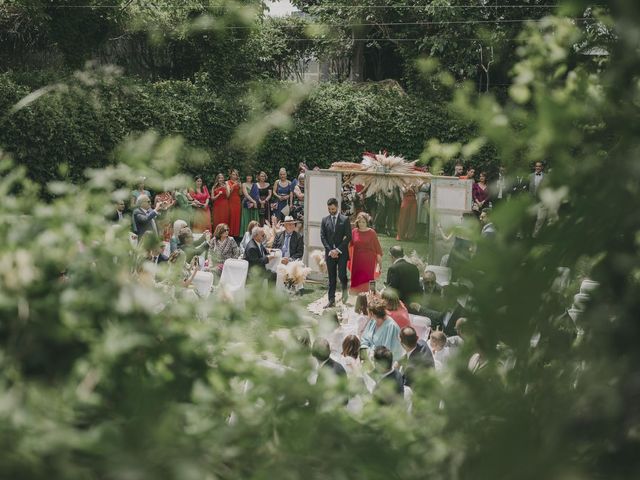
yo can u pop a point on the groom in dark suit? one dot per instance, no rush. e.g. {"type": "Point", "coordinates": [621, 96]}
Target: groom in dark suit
{"type": "Point", "coordinates": [335, 233]}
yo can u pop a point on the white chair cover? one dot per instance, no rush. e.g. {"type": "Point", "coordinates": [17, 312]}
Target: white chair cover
{"type": "Point", "coordinates": [580, 300]}
{"type": "Point", "coordinates": [588, 286]}
{"type": "Point", "coordinates": [166, 249]}
{"type": "Point", "coordinates": [234, 277]}
{"type": "Point", "coordinates": [273, 264]}
{"type": "Point", "coordinates": [420, 324]}
{"type": "Point", "coordinates": [202, 282]}
{"type": "Point", "coordinates": [443, 274]}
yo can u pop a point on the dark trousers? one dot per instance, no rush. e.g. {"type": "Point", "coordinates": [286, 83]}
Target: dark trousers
{"type": "Point", "coordinates": [336, 268]}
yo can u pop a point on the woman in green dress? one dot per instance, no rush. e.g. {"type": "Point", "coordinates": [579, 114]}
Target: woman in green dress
{"type": "Point", "coordinates": [250, 199]}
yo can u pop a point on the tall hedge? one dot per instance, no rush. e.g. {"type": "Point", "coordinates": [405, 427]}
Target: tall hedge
{"type": "Point", "coordinates": [79, 125]}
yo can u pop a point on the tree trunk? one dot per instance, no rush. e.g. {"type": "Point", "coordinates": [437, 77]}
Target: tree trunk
{"type": "Point", "coordinates": [357, 62]}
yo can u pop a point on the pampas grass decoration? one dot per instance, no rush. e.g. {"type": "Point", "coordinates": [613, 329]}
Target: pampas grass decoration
{"type": "Point", "coordinates": [318, 257]}
{"type": "Point", "coordinates": [383, 163]}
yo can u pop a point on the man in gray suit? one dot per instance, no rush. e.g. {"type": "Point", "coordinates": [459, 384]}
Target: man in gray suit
{"type": "Point", "coordinates": [143, 217]}
{"type": "Point", "coordinates": [536, 179]}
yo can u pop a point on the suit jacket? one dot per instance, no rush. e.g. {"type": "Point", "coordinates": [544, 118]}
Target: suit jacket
{"type": "Point", "coordinates": [296, 244]}
{"type": "Point", "coordinates": [144, 221]}
{"type": "Point", "coordinates": [255, 255]}
{"type": "Point", "coordinates": [404, 277]}
{"type": "Point", "coordinates": [437, 319]}
{"type": "Point", "coordinates": [335, 366]}
{"type": "Point", "coordinates": [340, 238]}
{"type": "Point", "coordinates": [113, 217]}
{"type": "Point", "coordinates": [532, 185]}
{"type": "Point", "coordinates": [420, 359]}
{"type": "Point", "coordinates": [392, 384]}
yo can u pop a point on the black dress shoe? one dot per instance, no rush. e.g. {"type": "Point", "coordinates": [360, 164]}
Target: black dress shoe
{"type": "Point", "coordinates": [330, 305]}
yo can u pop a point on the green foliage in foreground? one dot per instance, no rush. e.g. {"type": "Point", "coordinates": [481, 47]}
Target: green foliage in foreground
{"type": "Point", "coordinates": [98, 380]}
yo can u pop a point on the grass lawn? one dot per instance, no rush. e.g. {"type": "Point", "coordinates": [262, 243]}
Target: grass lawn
{"type": "Point", "coordinates": [313, 291]}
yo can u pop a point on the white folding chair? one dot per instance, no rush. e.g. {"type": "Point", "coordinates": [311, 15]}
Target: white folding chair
{"type": "Point", "coordinates": [580, 300]}
{"type": "Point", "coordinates": [234, 277]}
{"type": "Point", "coordinates": [587, 286]}
{"type": "Point", "coordinates": [443, 274]}
{"type": "Point", "coordinates": [202, 282]}
{"type": "Point", "coordinates": [420, 324]}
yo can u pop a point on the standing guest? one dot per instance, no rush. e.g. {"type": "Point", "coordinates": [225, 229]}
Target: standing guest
{"type": "Point", "coordinates": [381, 329]}
{"type": "Point", "coordinates": [220, 196]}
{"type": "Point", "coordinates": [118, 214]}
{"type": "Point", "coordinates": [235, 203]}
{"type": "Point", "coordinates": [418, 355]}
{"type": "Point", "coordinates": [350, 355]}
{"type": "Point", "coordinates": [471, 173]}
{"type": "Point", "coordinates": [264, 193]}
{"type": "Point", "coordinates": [408, 215]}
{"type": "Point", "coordinates": [199, 197]}
{"type": "Point", "coordinates": [488, 230]}
{"type": "Point", "coordinates": [290, 241]}
{"type": "Point", "coordinates": [335, 234]}
{"type": "Point", "coordinates": [223, 247]}
{"type": "Point", "coordinates": [390, 386]}
{"type": "Point", "coordinates": [423, 204]}
{"type": "Point", "coordinates": [367, 254]}
{"type": "Point", "coordinates": [536, 179]}
{"type": "Point", "coordinates": [395, 308]}
{"type": "Point", "coordinates": [178, 225]}
{"type": "Point", "coordinates": [247, 234]}
{"type": "Point", "coordinates": [402, 276]}
{"type": "Point", "coordinates": [182, 205]}
{"type": "Point", "coordinates": [250, 199]}
{"type": "Point", "coordinates": [438, 344]}
{"type": "Point", "coordinates": [256, 254]}
{"type": "Point", "coordinates": [283, 192]}
{"type": "Point", "coordinates": [298, 199]}
{"type": "Point", "coordinates": [144, 216]}
{"type": "Point", "coordinates": [458, 169]}
{"type": "Point", "coordinates": [139, 191]}
{"type": "Point", "coordinates": [480, 193]}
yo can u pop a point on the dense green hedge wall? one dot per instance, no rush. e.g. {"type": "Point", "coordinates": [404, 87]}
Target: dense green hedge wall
{"type": "Point", "coordinates": [80, 124]}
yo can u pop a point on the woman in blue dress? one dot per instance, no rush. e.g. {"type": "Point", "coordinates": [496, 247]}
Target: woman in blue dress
{"type": "Point", "coordinates": [283, 193]}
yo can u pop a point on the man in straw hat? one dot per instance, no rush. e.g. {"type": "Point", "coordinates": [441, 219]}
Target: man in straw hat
{"type": "Point", "coordinates": [290, 241]}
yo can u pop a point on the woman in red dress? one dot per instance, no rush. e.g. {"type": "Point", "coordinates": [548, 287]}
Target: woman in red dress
{"type": "Point", "coordinates": [408, 216]}
{"type": "Point", "coordinates": [199, 198]}
{"type": "Point", "coordinates": [220, 197]}
{"type": "Point", "coordinates": [367, 253]}
{"type": "Point", "coordinates": [235, 204]}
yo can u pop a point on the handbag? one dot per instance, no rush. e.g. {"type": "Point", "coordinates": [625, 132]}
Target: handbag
{"type": "Point", "coordinates": [285, 210]}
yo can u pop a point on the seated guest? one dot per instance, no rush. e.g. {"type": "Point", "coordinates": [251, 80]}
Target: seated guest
{"type": "Point", "coordinates": [445, 318]}
{"type": "Point", "coordinates": [350, 355]}
{"type": "Point", "coordinates": [390, 386]}
{"type": "Point", "coordinates": [418, 355]}
{"type": "Point", "coordinates": [321, 352]}
{"type": "Point", "coordinates": [223, 247]}
{"type": "Point", "coordinates": [153, 248]}
{"type": "Point", "coordinates": [187, 245]}
{"type": "Point", "coordinates": [402, 276]}
{"type": "Point", "coordinates": [431, 298]}
{"type": "Point", "coordinates": [381, 330]}
{"type": "Point", "coordinates": [177, 226]}
{"type": "Point", "coordinates": [255, 253]}
{"type": "Point", "coordinates": [456, 341]}
{"type": "Point", "coordinates": [247, 235]}
{"type": "Point", "coordinates": [290, 241]}
{"type": "Point", "coordinates": [395, 308]}
{"type": "Point", "coordinates": [362, 312]}
{"type": "Point", "coordinates": [438, 344]}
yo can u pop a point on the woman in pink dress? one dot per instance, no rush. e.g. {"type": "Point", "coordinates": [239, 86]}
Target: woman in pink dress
{"type": "Point", "coordinates": [220, 197]}
{"type": "Point", "coordinates": [199, 198]}
{"type": "Point", "coordinates": [367, 254]}
{"type": "Point", "coordinates": [235, 203]}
